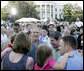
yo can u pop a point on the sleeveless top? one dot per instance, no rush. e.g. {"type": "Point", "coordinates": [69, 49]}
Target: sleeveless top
{"type": "Point", "coordinates": [8, 65]}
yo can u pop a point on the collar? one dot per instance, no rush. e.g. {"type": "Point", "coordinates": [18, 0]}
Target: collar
{"type": "Point", "coordinates": [74, 52]}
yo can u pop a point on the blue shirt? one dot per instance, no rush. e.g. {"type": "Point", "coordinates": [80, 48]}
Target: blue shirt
{"type": "Point", "coordinates": [32, 52]}
{"type": "Point", "coordinates": [75, 36]}
{"type": "Point", "coordinates": [73, 63]}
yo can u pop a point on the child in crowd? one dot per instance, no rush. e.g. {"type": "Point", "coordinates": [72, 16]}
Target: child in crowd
{"type": "Point", "coordinates": [45, 61]}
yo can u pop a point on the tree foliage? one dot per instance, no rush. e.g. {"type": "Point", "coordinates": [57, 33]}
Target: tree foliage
{"type": "Point", "coordinates": [71, 12]}
{"type": "Point", "coordinates": [24, 9]}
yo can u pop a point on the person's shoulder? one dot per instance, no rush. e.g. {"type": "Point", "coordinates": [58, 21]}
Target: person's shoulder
{"type": "Point", "coordinates": [81, 22]}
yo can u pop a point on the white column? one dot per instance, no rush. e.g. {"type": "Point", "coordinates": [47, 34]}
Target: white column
{"type": "Point", "coordinates": [40, 12]}
{"type": "Point", "coordinates": [45, 11]}
{"type": "Point", "coordinates": [54, 11]}
{"type": "Point", "coordinates": [50, 11]}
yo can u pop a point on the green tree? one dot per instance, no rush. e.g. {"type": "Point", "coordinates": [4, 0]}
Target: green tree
{"type": "Point", "coordinates": [67, 12]}
{"type": "Point", "coordinates": [3, 14]}
{"type": "Point", "coordinates": [24, 9]}
{"type": "Point", "coordinates": [77, 12]}
{"type": "Point", "coordinates": [71, 12]}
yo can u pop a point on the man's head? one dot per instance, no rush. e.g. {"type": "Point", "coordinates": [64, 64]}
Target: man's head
{"type": "Point", "coordinates": [16, 27]}
{"type": "Point", "coordinates": [51, 27]}
{"type": "Point", "coordinates": [54, 37]}
{"type": "Point", "coordinates": [77, 19]}
{"type": "Point", "coordinates": [68, 43]}
{"type": "Point", "coordinates": [35, 33]}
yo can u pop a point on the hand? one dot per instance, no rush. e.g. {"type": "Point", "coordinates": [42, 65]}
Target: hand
{"type": "Point", "coordinates": [81, 52]}
{"type": "Point", "coordinates": [69, 54]}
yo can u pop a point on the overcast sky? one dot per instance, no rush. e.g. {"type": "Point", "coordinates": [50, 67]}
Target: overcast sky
{"type": "Point", "coordinates": [80, 3]}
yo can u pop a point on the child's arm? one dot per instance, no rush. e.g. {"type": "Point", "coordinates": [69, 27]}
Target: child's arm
{"type": "Point", "coordinates": [62, 64]}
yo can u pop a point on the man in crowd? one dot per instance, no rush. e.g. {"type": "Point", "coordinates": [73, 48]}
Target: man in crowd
{"type": "Point", "coordinates": [69, 44]}
{"type": "Point", "coordinates": [55, 38]}
{"type": "Point", "coordinates": [34, 43]}
{"type": "Point", "coordinates": [78, 23]}
{"type": "Point", "coordinates": [16, 27]}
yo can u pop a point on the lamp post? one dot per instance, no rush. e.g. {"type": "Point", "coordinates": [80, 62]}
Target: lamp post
{"type": "Point", "coordinates": [14, 12]}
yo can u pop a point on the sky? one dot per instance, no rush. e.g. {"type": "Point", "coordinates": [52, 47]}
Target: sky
{"type": "Point", "coordinates": [80, 3]}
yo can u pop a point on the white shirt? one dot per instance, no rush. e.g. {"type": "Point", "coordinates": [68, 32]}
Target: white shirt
{"type": "Point", "coordinates": [47, 41]}
{"type": "Point", "coordinates": [79, 23]}
{"type": "Point", "coordinates": [3, 38]}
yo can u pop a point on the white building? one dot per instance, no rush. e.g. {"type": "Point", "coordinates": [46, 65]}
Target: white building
{"type": "Point", "coordinates": [49, 9]}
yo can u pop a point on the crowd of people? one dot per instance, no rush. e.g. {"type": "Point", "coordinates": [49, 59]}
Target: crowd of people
{"type": "Point", "coordinates": [50, 45]}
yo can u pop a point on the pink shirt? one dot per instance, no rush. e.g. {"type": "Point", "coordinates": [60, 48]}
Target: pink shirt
{"type": "Point", "coordinates": [47, 66]}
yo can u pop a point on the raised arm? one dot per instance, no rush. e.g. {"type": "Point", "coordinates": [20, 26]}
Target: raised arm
{"type": "Point", "coordinates": [62, 64]}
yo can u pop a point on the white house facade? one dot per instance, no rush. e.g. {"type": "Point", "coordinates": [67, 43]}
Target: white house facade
{"type": "Point", "coordinates": [49, 9]}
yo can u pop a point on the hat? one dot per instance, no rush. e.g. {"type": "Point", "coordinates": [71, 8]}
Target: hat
{"type": "Point", "coordinates": [77, 19]}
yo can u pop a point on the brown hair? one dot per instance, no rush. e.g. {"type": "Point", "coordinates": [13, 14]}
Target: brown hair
{"type": "Point", "coordinates": [22, 43]}
{"type": "Point", "coordinates": [70, 40]}
{"type": "Point", "coordinates": [43, 52]}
